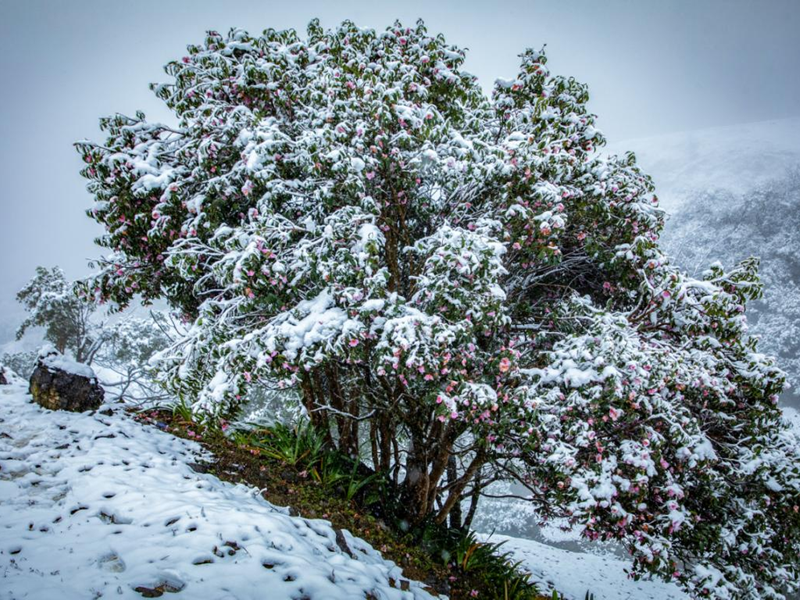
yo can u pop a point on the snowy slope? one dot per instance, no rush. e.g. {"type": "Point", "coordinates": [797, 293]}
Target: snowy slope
{"type": "Point", "coordinates": [575, 573]}
{"type": "Point", "coordinates": [792, 415]}
{"type": "Point", "coordinates": [733, 159]}
{"type": "Point", "coordinates": [95, 505]}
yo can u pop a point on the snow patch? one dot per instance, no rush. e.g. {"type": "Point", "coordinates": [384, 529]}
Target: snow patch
{"type": "Point", "coordinates": [56, 361]}
{"type": "Point", "coordinates": [575, 573]}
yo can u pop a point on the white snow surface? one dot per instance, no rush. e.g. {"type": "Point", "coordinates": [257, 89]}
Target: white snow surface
{"type": "Point", "coordinates": [792, 415]}
{"type": "Point", "coordinates": [575, 573]}
{"type": "Point", "coordinates": [736, 158]}
{"type": "Point", "coordinates": [69, 366]}
{"type": "Point", "coordinates": [94, 505]}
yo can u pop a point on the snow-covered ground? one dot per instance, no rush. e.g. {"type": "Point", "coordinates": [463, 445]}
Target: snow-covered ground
{"type": "Point", "coordinates": [96, 506]}
{"type": "Point", "coordinates": [575, 573]}
{"type": "Point", "coordinates": [99, 505]}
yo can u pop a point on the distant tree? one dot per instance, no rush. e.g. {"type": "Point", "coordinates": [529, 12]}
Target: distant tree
{"type": "Point", "coordinates": [128, 346]}
{"type": "Point", "coordinates": [444, 275]}
{"type": "Point", "coordinates": [71, 323]}
{"type": "Point", "coordinates": [53, 304]}
{"type": "Point", "coordinates": [21, 363]}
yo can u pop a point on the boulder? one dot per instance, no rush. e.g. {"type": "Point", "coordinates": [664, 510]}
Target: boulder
{"type": "Point", "coordinates": [3, 378]}
{"type": "Point", "coordinates": [58, 383]}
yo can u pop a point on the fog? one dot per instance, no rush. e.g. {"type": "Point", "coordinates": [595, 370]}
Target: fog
{"type": "Point", "coordinates": [652, 67]}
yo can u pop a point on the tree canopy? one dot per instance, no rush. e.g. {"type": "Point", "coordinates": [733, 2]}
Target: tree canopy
{"type": "Point", "coordinates": [51, 303]}
{"type": "Point", "coordinates": [462, 288]}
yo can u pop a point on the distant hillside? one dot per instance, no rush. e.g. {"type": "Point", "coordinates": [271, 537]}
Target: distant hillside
{"type": "Point", "coordinates": [730, 193]}
{"type": "Point", "coordinates": [735, 159]}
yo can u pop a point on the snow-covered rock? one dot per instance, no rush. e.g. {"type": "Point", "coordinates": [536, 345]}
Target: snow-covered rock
{"type": "Point", "coordinates": [58, 383]}
{"type": "Point", "coordinates": [97, 506]}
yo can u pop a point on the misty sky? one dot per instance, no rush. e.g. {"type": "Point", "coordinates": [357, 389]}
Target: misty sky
{"type": "Point", "coordinates": [653, 67]}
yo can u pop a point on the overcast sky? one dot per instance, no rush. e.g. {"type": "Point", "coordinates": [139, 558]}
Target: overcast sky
{"type": "Point", "coordinates": [653, 67]}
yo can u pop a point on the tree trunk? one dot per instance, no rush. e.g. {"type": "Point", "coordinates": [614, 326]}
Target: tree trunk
{"type": "Point", "coordinates": [456, 489]}
{"type": "Point", "coordinates": [319, 422]}
{"type": "Point", "coordinates": [452, 476]}
{"type": "Point", "coordinates": [473, 503]}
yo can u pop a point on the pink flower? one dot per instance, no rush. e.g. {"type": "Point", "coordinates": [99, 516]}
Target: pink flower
{"type": "Point", "coordinates": [505, 365]}
{"type": "Point", "coordinates": [370, 174]}
{"type": "Point", "coordinates": [353, 343]}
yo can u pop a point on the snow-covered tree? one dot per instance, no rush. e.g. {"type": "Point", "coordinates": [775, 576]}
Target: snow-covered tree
{"type": "Point", "coordinates": [52, 303]}
{"type": "Point", "coordinates": [443, 274]}
{"type": "Point", "coordinates": [21, 363]}
{"type": "Point", "coordinates": [765, 222]}
{"type": "Point", "coordinates": [128, 346]}
{"type": "Point", "coordinates": [72, 323]}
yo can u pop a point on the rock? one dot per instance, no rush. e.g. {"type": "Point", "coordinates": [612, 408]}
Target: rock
{"type": "Point", "coordinates": [441, 587]}
{"type": "Point", "coordinates": [58, 383]}
{"type": "Point", "coordinates": [341, 541]}
{"type": "Point", "coordinates": [3, 378]}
